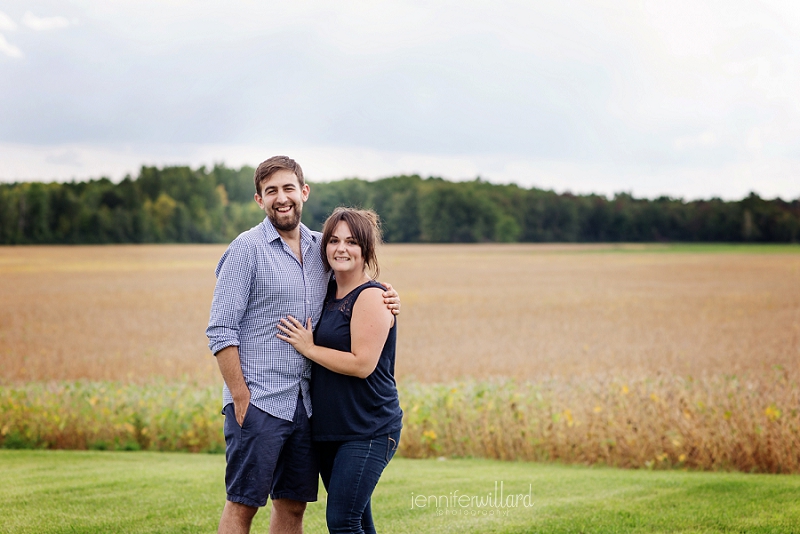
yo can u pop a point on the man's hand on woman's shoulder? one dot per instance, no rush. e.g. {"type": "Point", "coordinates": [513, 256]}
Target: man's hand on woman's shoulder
{"type": "Point", "coordinates": [391, 298]}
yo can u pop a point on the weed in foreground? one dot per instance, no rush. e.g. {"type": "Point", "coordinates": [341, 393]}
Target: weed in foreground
{"type": "Point", "coordinates": [749, 424]}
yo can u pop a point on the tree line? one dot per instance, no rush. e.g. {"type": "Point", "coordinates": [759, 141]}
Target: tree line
{"type": "Point", "coordinates": [184, 205]}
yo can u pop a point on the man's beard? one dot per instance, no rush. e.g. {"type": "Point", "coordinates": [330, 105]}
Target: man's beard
{"type": "Point", "coordinates": [288, 223]}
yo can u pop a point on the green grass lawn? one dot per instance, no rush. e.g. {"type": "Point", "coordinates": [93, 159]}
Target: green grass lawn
{"type": "Point", "coordinates": [79, 491]}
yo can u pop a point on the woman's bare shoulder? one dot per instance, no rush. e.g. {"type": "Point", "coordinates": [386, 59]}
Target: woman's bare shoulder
{"type": "Point", "coordinates": [370, 301]}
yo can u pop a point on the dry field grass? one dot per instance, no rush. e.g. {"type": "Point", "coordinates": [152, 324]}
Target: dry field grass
{"type": "Point", "coordinates": [132, 313]}
{"type": "Point", "coordinates": [636, 356]}
{"type": "Point", "coordinates": [529, 311]}
{"type": "Point", "coordinates": [126, 313]}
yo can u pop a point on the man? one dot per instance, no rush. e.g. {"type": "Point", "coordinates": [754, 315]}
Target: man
{"type": "Point", "coordinates": [270, 271]}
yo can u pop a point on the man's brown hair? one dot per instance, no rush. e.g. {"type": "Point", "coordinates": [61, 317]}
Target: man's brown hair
{"type": "Point", "coordinates": [365, 228]}
{"type": "Point", "coordinates": [276, 163]}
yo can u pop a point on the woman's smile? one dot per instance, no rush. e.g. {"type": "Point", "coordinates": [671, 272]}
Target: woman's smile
{"type": "Point", "coordinates": [343, 251]}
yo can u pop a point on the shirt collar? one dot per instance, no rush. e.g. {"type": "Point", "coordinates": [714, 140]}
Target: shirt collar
{"type": "Point", "coordinates": [306, 236]}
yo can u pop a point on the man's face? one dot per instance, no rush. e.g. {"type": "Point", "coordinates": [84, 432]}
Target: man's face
{"type": "Point", "coordinates": [282, 199]}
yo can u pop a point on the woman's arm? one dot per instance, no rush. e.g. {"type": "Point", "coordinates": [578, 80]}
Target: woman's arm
{"type": "Point", "coordinates": [369, 327]}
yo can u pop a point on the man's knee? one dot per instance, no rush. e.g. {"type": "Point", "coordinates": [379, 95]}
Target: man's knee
{"type": "Point", "coordinates": [289, 507]}
{"type": "Point", "coordinates": [238, 509]}
{"type": "Point", "coordinates": [236, 517]}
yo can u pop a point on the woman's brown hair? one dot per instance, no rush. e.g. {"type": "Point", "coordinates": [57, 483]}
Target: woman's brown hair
{"type": "Point", "coordinates": [365, 228]}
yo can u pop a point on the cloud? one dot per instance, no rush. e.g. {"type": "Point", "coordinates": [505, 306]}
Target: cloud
{"type": "Point", "coordinates": [705, 139]}
{"type": "Point", "coordinates": [9, 49]}
{"type": "Point", "coordinates": [644, 91]}
{"type": "Point", "coordinates": [6, 23]}
{"type": "Point", "coordinates": [44, 23]}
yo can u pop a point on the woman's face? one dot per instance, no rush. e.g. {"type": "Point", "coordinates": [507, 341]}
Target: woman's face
{"type": "Point", "coordinates": [344, 254]}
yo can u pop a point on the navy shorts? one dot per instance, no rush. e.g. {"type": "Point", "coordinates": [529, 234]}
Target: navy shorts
{"type": "Point", "coordinates": [268, 456]}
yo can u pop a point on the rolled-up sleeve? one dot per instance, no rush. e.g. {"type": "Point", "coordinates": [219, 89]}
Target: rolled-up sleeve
{"type": "Point", "coordinates": [235, 273]}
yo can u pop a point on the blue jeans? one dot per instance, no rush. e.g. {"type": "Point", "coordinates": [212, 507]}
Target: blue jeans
{"type": "Point", "coordinates": [350, 470]}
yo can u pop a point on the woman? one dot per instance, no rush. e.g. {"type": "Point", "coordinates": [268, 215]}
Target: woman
{"type": "Point", "coordinates": [357, 417]}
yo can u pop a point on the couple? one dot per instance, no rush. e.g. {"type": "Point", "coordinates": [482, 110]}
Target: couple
{"type": "Point", "coordinates": [272, 285]}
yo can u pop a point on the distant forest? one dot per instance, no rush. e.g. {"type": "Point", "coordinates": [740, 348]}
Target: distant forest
{"type": "Point", "coordinates": [184, 205]}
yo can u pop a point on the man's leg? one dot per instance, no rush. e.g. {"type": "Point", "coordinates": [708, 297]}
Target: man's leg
{"type": "Point", "coordinates": [287, 516]}
{"type": "Point", "coordinates": [236, 518]}
{"type": "Point", "coordinates": [252, 451]}
{"type": "Point", "coordinates": [296, 477]}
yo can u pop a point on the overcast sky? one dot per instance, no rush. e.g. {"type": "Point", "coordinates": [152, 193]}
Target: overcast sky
{"type": "Point", "coordinates": [684, 98]}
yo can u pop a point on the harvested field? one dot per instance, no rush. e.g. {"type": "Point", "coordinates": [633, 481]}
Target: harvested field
{"type": "Point", "coordinates": [126, 313]}
{"type": "Point", "coordinates": [529, 311]}
{"type": "Point", "coordinates": [636, 356]}
{"type": "Point", "coordinates": [133, 313]}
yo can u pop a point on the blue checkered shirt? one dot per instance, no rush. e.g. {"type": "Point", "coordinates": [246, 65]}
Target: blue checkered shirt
{"type": "Point", "coordinates": [259, 281]}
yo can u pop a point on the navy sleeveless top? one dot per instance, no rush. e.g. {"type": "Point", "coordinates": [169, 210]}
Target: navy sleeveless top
{"type": "Point", "coordinates": [348, 408]}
